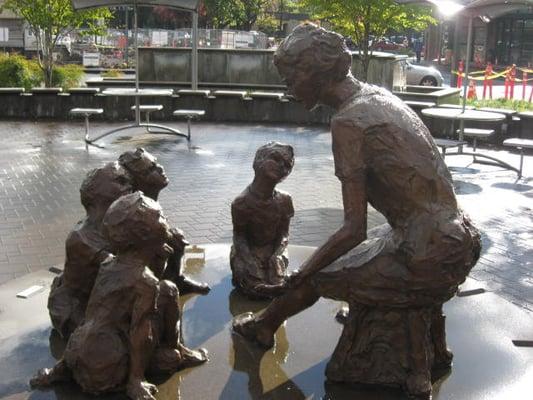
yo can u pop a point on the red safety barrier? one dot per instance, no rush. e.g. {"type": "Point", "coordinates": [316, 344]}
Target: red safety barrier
{"type": "Point", "coordinates": [488, 82]}
{"type": "Point", "coordinates": [471, 90]}
{"type": "Point", "coordinates": [512, 81]}
{"type": "Point", "coordinates": [460, 76]}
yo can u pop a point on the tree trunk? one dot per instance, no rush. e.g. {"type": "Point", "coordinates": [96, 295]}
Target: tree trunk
{"type": "Point", "coordinates": [48, 57]}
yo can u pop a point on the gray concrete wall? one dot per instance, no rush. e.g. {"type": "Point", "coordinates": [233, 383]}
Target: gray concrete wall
{"type": "Point", "coordinates": [223, 109]}
{"type": "Point", "coordinates": [247, 68]}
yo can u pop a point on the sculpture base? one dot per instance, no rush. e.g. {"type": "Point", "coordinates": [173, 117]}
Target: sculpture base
{"type": "Point", "coordinates": [480, 330]}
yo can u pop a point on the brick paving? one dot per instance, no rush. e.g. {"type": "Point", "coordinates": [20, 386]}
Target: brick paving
{"type": "Point", "coordinates": [43, 164]}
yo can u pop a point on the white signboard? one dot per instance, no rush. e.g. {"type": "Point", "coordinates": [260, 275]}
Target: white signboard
{"type": "Point", "coordinates": [244, 40]}
{"type": "Point", "coordinates": [4, 34]}
{"type": "Point", "coordinates": [91, 59]}
{"type": "Point", "coordinates": [159, 38]}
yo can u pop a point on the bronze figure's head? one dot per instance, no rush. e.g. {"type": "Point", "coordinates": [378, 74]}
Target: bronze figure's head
{"type": "Point", "coordinates": [102, 186]}
{"type": "Point", "coordinates": [147, 173]}
{"type": "Point", "coordinates": [274, 161]}
{"type": "Point", "coordinates": [309, 59]}
{"type": "Point", "coordinates": [135, 220]}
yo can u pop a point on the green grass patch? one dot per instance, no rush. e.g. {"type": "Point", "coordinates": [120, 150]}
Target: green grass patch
{"type": "Point", "coordinates": [112, 73]}
{"type": "Point", "coordinates": [518, 105]}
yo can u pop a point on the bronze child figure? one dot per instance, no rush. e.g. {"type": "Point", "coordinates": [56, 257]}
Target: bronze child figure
{"type": "Point", "coordinates": [397, 277]}
{"type": "Point", "coordinates": [86, 248]}
{"type": "Point", "coordinates": [131, 324]}
{"type": "Point", "coordinates": [149, 177]}
{"type": "Point", "coordinates": [261, 215]}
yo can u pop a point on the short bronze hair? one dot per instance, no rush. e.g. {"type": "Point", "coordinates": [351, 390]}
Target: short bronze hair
{"type": "Point", "coordinates": [95, 187]}
{"type": "Point", "coordinates": [135, 219]}
{"type": "Point", "coordinates": [266, 151]}
{"type": "Point", "coordinates": [314, 48]}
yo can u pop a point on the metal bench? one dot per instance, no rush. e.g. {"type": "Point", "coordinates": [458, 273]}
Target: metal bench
{"type": "Point", "coordinates": [417, 105]}
{"type": "Point", "coordinates": [86, 113]}
{"type": "Point", "coordinates": [147, 109]}
{"type": "Point", "coordinates": [476, 134]}
{"type": "Point", "coordinates": [519, 144]}
{"type": "Point", "coordinates": [189, 115]}
{"type": "Point", "coordinates": [445, 144]}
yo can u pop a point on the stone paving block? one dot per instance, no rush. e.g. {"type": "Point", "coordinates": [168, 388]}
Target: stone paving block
{"type": "Point", "coordinates": [43, 164]}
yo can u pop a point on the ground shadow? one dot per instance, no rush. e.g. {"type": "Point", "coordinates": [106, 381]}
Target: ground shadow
{"type": "Point", "coordinates": [464, 188]}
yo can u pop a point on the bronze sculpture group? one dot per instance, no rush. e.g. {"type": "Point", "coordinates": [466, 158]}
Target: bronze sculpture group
{"type": "Point", "coordinates": [395, 278]}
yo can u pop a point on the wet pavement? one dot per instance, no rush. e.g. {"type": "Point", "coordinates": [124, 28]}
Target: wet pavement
{"type": "Point", "coordinates": [480, 331]}
{"type": "Point", "coordinates": [42, 165]}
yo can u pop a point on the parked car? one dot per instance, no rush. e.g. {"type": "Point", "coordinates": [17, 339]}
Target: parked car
{"type": "Point", "coordinates": [420, 75]}
{"type": "Point", "coordinates": [386, 45]}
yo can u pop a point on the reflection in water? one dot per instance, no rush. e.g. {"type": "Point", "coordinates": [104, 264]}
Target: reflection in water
{"type": "Point", "coordinates": [20, 357]}
{"type": "Point", "coordinates": [265, 377]}
{"type": "Point", "coordinates": [207, 316]}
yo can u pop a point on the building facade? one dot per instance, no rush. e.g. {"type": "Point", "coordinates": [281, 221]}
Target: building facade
{"type": "Point", "coordinates": [11, 30]}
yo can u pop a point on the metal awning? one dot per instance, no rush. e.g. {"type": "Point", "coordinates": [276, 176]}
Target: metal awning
{"type": "Point", "coordinates": [188, 5]}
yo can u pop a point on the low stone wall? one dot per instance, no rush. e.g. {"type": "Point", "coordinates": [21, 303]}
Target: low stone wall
{"type": "Point", "coordinates": [223, 108]}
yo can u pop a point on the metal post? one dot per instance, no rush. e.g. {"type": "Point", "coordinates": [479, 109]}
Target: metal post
{"type": "Point", "coordinates": [136, 45]}
{"type": "Point", "coordinates": [127, 35]}
{"type": "Point", "coordinates": [194, 55]}
{"type": "Point", "coordinates": [466, 80]}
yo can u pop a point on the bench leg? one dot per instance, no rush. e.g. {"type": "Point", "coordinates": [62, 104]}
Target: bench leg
{"type": "Point", "coordinates": [86, 131]}
{"type": "Point", "coordinates": [148, 120]}
{"type": "Point", "coordinates": [521, 161]}
{"type": "Point", "coordinates": [189, 129]}
{"type": "Point", "coordinates": [474, 148]}
{"type": "Point", "coordinates": [443, 152]}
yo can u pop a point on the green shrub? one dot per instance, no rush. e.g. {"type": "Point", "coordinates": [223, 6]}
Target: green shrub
{"type": "Point", "coordinates": [112, 73]}
{"type": "Point", "coordinates": [17, 71]}
{"type": "Point", "coordinates": [67, 76]}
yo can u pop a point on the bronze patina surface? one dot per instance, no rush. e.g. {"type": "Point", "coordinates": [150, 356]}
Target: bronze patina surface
{"type": "Point", "coordinates": [86, 247]}
{"type": "Point", "coordinates": [396, 277]}
{"type": "Point", "coordinates": [261, 216]}
{"type": "Point", "coordinates": [149, 177]}
{"type": "Point", "coordinates": [131, 324]}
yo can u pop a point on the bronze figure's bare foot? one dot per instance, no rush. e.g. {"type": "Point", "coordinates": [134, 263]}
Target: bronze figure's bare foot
{"type": "Point", "coordinates": [419, 386]}
{"type": "Point", "coordinates": [139, 390]}
{"type": "Point", "coordinates": [443, 360]}
{"type": "Point", "coordinates": [188, 285]}
{"type": "Point", "coordinates": [48, 376]}
{"type": "Point", "coordinates": [342, 315]}
{"type": "Point", "coordinates": [192, 358]}
{"type": "Point", "coordinates": [246, 326]}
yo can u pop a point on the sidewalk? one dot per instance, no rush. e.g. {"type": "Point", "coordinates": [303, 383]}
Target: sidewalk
{"type": "Point", "coordinates": [43, 164]}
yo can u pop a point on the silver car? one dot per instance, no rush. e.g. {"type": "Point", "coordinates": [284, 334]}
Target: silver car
{"type": "Point", "coordinates": [419, 75]}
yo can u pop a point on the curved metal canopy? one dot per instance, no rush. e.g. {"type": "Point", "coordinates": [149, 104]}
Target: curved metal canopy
{"type": "Point", "coordinates": [188, 5]}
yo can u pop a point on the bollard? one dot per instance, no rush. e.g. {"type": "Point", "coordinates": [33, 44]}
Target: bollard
{"type": "Point", "coordinates": [512, 81]}
{"type": "Point", "coordinates": [471, 90]}
{"type": "Point", "coordinates": [507, 79]}
{"type": "Point", "coordinates": [487, 82]}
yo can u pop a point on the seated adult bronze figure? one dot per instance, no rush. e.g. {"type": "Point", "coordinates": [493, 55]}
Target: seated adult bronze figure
{"type": "Point", "coordinates": [149, 177]}
{"type": "Point", "coordinates": [261, 216]}
{"type": "Point", "coordinates": [86, 248]}
{"type": "Point", "coordinates": [131, 324]}
{"type": "Point", "coordinates": [395, 278]}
